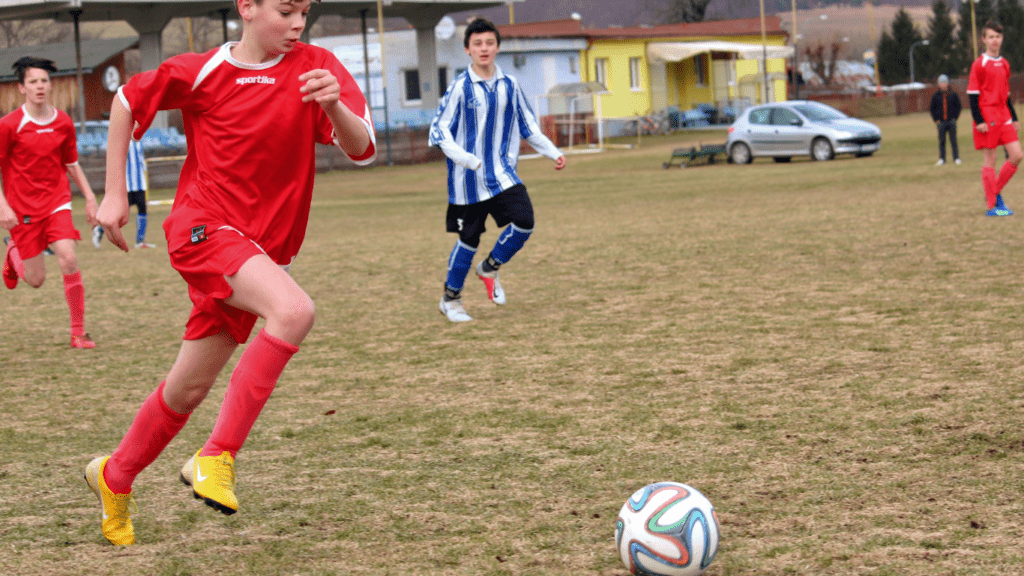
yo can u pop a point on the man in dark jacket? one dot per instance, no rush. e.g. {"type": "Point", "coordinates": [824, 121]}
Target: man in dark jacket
{"type": "Point", "coordinates": [945, 111]}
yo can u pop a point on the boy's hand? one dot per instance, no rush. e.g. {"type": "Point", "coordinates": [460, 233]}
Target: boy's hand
{"type": "Point", "coordinates": [320, 85]}
{"type": "Point", "coordinates": [560, 163]}
{"type": "Point", "coordinates": [983, 127]}
{"type": "Point", "coordinates": [90, 211]}
{"type": "Point", "coordinates": [112, 216]}
{"type": "Point", "coordinates": [8, 219]}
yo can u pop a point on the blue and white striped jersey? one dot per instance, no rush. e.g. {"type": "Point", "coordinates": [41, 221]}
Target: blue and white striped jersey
{"type": "Point", "coordinates": [135, 169]}
{"type": "Point", "coordinates": [479, 126]}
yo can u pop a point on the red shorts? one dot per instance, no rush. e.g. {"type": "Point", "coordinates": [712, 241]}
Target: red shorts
{"type": "Point", "coordinates": [204, 252]}
{"type": "Point", "coordinates": [996, 136]}
{"type": "Point", "coordinates": [32, 238]}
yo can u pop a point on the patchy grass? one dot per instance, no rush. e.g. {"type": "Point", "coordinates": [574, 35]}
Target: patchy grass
{"type": "Point", "coordinates": [828, 351]}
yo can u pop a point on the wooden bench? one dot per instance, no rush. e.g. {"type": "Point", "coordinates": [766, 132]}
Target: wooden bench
{"type": "Point", "coordinates": [686, 156]}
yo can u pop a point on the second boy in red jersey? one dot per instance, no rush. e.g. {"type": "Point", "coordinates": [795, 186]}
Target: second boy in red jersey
{"type": "Point", "coordinates": [38, 151]}
{"type": "Point", "coordinates": [995, 120]}
{"type": "Point", "coordinates": [253, 112]}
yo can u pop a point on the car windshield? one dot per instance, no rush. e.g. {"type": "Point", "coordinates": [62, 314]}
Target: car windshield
{"type": "Point", "coordinates": [819, 112]}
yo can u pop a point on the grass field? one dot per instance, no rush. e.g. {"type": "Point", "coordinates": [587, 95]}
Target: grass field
{"type": "Point", "coordinates": [829, 351]}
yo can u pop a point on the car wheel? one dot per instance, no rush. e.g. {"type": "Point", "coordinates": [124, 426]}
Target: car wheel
{"type": "Point", "coordinates": [821, 149]}
{"type": "Point", "coordinates": [740, 153]}
{"type": "Point", "coordinates": [781, 159]}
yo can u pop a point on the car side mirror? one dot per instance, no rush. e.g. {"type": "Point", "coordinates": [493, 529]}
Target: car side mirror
{"type": "Point", "coordinates": [796, 122]}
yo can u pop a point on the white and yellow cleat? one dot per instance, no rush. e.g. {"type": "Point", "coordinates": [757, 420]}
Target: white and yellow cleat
{"type": "Point", "coordinates": [117, 523]}
{"type": "Point", "coordinates": [212, 479]}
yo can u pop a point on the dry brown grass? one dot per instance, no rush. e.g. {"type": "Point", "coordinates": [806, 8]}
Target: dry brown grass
{"type": "Point", "coordinates": [829, 351]}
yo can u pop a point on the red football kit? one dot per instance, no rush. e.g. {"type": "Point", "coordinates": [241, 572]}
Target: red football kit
{"type": "Point", "coordinates": [247, 181]}
{"type": "Point", "coordinates": [990, 80]}
{"type": "Point", "coordinates": [34, 159]}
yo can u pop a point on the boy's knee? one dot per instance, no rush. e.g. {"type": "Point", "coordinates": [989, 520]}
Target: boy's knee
{"type": "Point", "coordinates": [299, 313]}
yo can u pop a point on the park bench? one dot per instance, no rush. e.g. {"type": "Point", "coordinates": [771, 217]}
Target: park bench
{"type": "Point", "coordinates": [686, 156]}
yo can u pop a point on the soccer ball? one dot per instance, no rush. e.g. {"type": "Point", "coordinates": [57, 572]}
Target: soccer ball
{"type": "Point", "coordinates": [667, 529]}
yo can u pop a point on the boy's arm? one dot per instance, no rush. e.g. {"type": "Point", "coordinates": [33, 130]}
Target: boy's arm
{"type": "Point", "coordinates": [8, 219]}
{"type": "Point", "coordinates": [113, 213]}
{"type": "Point", "coordinates": [530, 131]}
{"type": "Point", "coordinates": [441, 135]}
{"type": "Point", "coordinates": [979, 120]}
{"type": "Point", "coordinates": [353, 134]}
{"type": "Point", "coordinates": [78, 175]}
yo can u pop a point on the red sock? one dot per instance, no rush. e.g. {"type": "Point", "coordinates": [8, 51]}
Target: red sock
{"type": "Point", "coordinates": [1005, 173]}
{"type": "Point", "coordinates": [75, 294]}
{"type": "Point", "coordinates": [988, 180]}
{"type": "Point", "coordinates": [153, 428]}
{"type": "Point", "coordinates": [251, 384]}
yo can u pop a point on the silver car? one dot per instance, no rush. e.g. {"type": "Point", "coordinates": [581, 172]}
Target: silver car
{"type": "Point", "coordinates": [798, 128]}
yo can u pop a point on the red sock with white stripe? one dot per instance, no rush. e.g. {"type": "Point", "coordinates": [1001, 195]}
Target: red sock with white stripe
{"type": "Point", "coordinates": [251, 384]}
{"type": "Point", "coordinates": [154, 427]}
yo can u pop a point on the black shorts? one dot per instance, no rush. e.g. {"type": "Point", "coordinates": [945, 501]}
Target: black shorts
{"type": "Point", "coordinates": [511, 206]}
{"type": "Point", "coordinates": [138, 199]}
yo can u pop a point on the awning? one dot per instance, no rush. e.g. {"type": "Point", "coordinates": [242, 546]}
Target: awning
{"type": "Point", "coordinates": [678, 51]}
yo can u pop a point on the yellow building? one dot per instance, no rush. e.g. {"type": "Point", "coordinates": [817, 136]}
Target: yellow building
{"type": "Point", "coordinates": [648, 69]}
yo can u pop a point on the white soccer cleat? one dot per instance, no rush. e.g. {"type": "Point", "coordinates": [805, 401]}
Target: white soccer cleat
{"type": "Point", "coordinates": [490, 280]}
{"type": "Point", "coordinates": [97, 236]}
{"type": "Point", "coordinates": [940, 162]}
{"type": "Point", "coordinates": [454, 311]}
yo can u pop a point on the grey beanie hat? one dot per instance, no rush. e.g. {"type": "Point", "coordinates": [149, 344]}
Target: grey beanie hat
{"type": "Point", "coordinates": [943, 78]}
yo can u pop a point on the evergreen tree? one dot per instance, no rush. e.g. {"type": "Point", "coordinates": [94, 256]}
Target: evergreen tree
{"type": "Point", "coordinates": [1011, 16]}
{"type": "Point", "coordinates": [894, 50]}
{"type": "Point", "coordinates": [983, 12]}
{"type": "Point", "coordinates": [942, 57]}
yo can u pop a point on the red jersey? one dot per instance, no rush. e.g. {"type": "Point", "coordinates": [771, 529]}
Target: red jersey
{"type": "Point", "coordinates": [990, 80]}
{"type": "Point", "coordinates": [251, 139]}
{"type": "Point", "coordinates": [34, 159]}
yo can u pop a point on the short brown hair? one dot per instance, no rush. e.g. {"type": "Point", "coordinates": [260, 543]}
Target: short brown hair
{"type": "Point", "coordinates": [993, 26]}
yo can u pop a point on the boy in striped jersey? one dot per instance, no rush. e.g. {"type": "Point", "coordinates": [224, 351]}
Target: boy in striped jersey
{"type": "Point", "coordinates": [136, 175]}
{"type": "Point", "coordinates": [479, 124]}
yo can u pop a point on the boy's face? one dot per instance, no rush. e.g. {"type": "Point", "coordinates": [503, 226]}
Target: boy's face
{"type": "Point", "coordinates": [36, 87]}
{"type": "Point", "coordinates": [993, 41]}
{"type": "Point", "coordinates": [276, 24]}
{"type": "Point", "coordinates": [483, 47]}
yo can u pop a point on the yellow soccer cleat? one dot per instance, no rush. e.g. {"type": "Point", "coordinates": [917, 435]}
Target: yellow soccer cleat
{"type": "Point", "coordinates": [117, 525]}
{"type": "Point", "coordinates": [212, 479]}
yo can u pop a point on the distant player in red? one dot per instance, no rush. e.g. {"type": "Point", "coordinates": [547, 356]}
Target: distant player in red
{"type": "Point", "coordinates": [253, 111]}
{"type": "Point", "coordinates": [38, 151]}
{"type": "Point", "coordinates": [995, 121]}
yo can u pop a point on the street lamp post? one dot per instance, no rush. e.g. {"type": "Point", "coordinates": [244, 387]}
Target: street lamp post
{"type": "Point", "coordinates": [912, 46]}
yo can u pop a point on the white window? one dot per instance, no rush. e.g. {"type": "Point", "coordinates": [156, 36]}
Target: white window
{"type": "Point", "coordinates": [700, 69]}
{"type": "Point", "coordinates": [601, 71]}
{"type": "Point", "coordinates": [634, 75]}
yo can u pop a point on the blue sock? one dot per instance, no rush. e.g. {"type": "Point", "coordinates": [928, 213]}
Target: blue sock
{"type": "Point", "coordinates": [459, 264]}
{"type": "Point", "coordinates": [140, 228]}
{"type": "Point", "coordinates": [509, 242]}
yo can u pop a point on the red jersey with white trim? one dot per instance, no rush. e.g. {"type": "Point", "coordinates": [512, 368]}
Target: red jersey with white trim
{"type": "Point", "coordinates": [990, 80]}
{"type": "Point", "coordinates": [251, 139]}
{"type": "Point", "coordinates": [34, 159]}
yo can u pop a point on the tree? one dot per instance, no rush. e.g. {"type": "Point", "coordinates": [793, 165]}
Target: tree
{"type": "Point", "coordinates": [894, 49]}
{"type": "Point", "coordinates": [32, 32]}
{"type": "Point", "coordinates": [675, 11]}
{"type": "Point", "coordinates": [1011, 16]}
{"type": "Point", "coordinates": [823, 62]}
{"type": "Point", "coordinates": [942, 55]}
{"type": "Point", "coordinates": [983, 12]}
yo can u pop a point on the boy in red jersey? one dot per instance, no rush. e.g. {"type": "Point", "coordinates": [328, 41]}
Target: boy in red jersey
{"type": "Point", "coordinates": [38, 151]}
{"type": "Point", "coordinates": [253, 111]}
{"type": "Point", "coordinates": [995, 121]}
